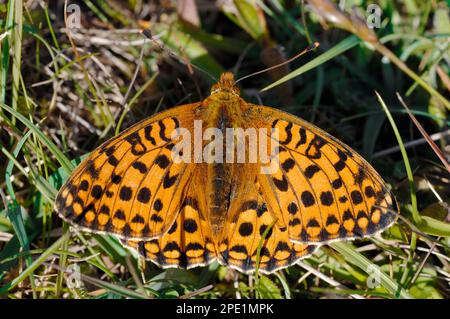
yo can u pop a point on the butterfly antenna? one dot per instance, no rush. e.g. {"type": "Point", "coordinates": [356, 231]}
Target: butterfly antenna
{"type": "Point", "coordinates": [184, 60]}
{"type": "Point", "coordinates": [313, 46]}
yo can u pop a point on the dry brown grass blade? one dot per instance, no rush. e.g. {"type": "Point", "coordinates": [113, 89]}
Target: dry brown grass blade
{"type": "Point", "coordinates": [425, 134]}
{"type": "Point", "coordinates": [196, 292]}
{"type": "Point", "coordinates": [444, 77]}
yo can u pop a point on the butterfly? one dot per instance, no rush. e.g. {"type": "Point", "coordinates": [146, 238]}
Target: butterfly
{"type": "Point", "coordinates": [185, 214]}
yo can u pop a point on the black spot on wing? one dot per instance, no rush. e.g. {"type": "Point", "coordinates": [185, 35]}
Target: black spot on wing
{"type": "Point", "coordinates": [138, 219]}
{"type": "Point", "coordinates": [307, 198]}
{"type": "Point", "coordinates": [313, 223]}
{"type": "Point", "coordinates": [288, 164]}
{"type": "Point", "coordinates": [194, 246]}
{"type": "Point", "coordinates": [171, 246]}
{"type": "Point", "coordinates": [281, 184]}
{"type": "Point", "coordinates": [125, 193]}
{"type": "Point", "coordinates": [356, 197]}
{"type": "Point", "coordinates": [339, 165]}
{"type": "Point", "coordinates": [369, 191]}
{"type": "Point", "coordinates": [96, 191]}
{"type": "Point", "coordinates": [337, 183]}
{"type": "Point", "coordinates": [137, 147]}
{"type": "Point", "coordinates": [126, 230]}
{"type": "Point", "coordinates": [169, 181]}
{"type": "Point", "coordinates": [239, 249]}
{"type": "Point", "coordinates": [112, 160]}
{"type": "Point", "coordinates": [311, 170]}
{"type": "Point", "coordinates": [91, 169]}
{"type": "Point", "coordinates": [292, 208]}
{"type": "Point", "coordinates": [343, 199]}
{"type": "Point", "coordinates": [190, 225]}
{"type": "Point", "coordinates": [119, 214]}
{"type": "Point", "coordinates": [115, 178]}
{"type": "Point", "coordinates": [302, 140]}
{"type": "Point", "coordinates": [263, 228]}
{"type": "Point", "coordinates": [294, 222]}
{"type": "Point", "coordinates": [109, 194]}
{"type": "Point", "coordinates": [162, 161]}
{"type": "Point", "coordinates": [347, 215]}
{"type": "Point", "coordinates": [140, 166]}
{"type": "Point", "coordinates": [261, 210]}
{"type": "Point", "coordinates": [343, 156]}
{"type": "Point", "coordinates": [145, 231]}
{"type": "Point", "coordinates": [162, 131]}
{"type": "Point", "coordinates": [84, 185]}
{"type": "Point", "coordinates": [313, 149]}
{"type": "Point", "coordinates": [157, 205]}
{"type": "Point", "coordinates": [360, 176]}
{"type": "Point", "coordinates": [143, 195]}
{"type": "Point", "coordinates": [104, 210]}
{"type": "Point", "coordinates": [331, 219]}
{"type": "Point", "coordinates": [245, 229]}
{"type": "Point", "coordinates": [326, 198]}
{"type": "Point", "coordinates": [324, 235]}
{"type": "Point", "coordinates": [288, 135]}
{"type": "Point", "coordinates": [156, 218]}
{"type": "Point", "coordinates": [282, 246]}
{"type": "Point", "coordinates": [173, 228]}
{"type": "Point", "coordinates": [190, 201]}
{"type": "Point", "coordinates": [361, 214]}
{"type": "Point", "coordinates": [148, 134]}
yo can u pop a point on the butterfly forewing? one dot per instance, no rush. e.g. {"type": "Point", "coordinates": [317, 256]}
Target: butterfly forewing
{"type": "Point", "coordinates": [130, 186]}
{"type": "Point", "coordinates": [323, 190]}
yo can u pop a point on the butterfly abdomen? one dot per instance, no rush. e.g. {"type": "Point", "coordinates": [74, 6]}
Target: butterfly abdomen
{"type": "Point", "coordinates": [219, 171]}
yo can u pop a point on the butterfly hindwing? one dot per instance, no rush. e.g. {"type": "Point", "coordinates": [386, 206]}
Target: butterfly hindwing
{"type": "Point", "coordinates": [241, 238]}
{"type": "Point", "coordinates": [188, 242]}
{"type": "Point", "coordinates": [130, 186]}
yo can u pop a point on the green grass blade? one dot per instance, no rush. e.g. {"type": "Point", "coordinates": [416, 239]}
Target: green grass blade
{"type": "Point", "coordinates": [10, 165]}
{"type": "Point", "coordinates": [24, 274]}
{"type": "Point", "coordinates": [355, 258]}
{"type": "Point", "coordinates": [338, 49]}
{"type": "Point", "coordinates": [17, 50]}
{"type": "Point", "coordinates": [60, 157]}
{"type": "Point", "coordinates": [415, 212]}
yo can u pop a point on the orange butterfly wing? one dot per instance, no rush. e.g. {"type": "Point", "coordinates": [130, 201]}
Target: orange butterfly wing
{"type": "Point", "coordinates": [323, 190]}
{"type": "Point", "coordinates": [188, 243]}
{"type": "Point", "coordinates": [130, 186]}
{"type": "Point", "coordinates": [242, 237]}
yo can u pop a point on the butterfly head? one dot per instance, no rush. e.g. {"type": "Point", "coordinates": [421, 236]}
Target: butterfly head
{"type": "Point", "coordinates": [226, 84]}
